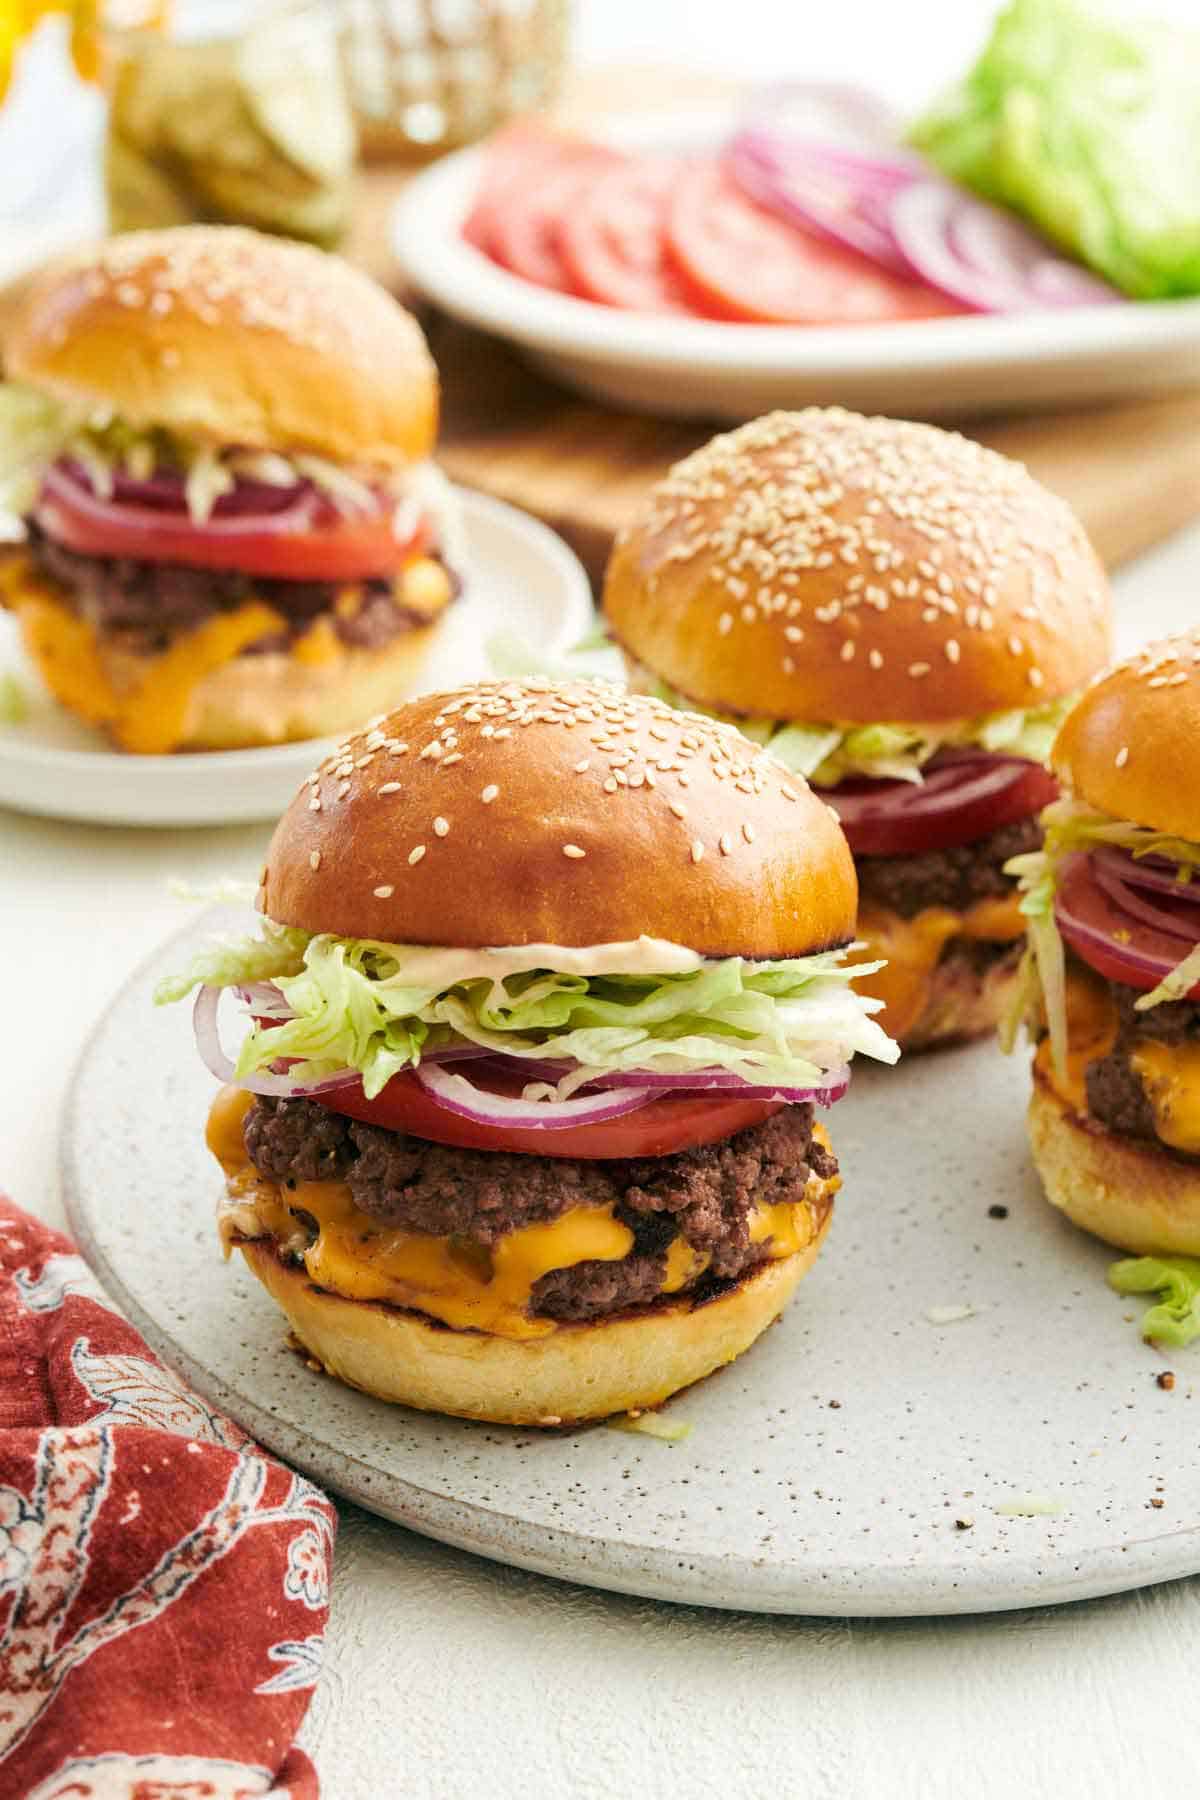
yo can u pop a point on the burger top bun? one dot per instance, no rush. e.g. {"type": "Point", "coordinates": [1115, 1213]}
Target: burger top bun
{"type": "Point", "coordinates": [1130, 746]}
{"type": "Point", "coordinates": [824, 566]}
{"type": "Point", "coordinates": [234, 338]}
{"type": "Point", "coordinates": [520, 812]}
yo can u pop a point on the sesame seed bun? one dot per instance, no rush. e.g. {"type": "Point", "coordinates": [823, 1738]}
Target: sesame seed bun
{"type": "Point", "coordinates": [1129, 747]}
{"type": "Point", "coordinates": [578, 1372]}
{"type": "Point", "coordinates": [1126, 1192]}
{"type": "Point", "coordinates": [521, 812]}
{"type": "Point", "coordinates": [232, 337]}
{"type": "Point", "coordinates": [824, 566]}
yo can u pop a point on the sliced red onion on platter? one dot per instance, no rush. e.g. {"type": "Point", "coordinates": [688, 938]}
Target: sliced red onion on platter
{"type": "Point", "coordinates": [281, 1087]}
{"type": "Point", "coordinates": [983, 257]}
{"type": "Point", "coordinates": [837, 194]}
{"type": "Point", "coordinates": [834, 115]}
{"type": "Point", "coordinates": [458, 1095]}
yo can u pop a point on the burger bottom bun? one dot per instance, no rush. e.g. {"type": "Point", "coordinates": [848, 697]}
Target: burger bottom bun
{"type": "Point", "coordinates": [968, 995]}
{"type": "Point", "coordinates": [276, 699]}
{"type": "Point", "coordinates": [1128, 1193]}
{"type": "Point", "coordinates": [577, 1372]}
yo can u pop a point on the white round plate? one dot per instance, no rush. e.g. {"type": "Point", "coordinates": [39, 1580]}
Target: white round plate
{"type": "Point", "coordinates": [926, 368]}
{"type": "Point", "coordinates": [520, 578]}
{"type": "Point", "coordinates": [826, 1470]}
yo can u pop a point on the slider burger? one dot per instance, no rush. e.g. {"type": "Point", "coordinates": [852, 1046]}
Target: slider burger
{"type": "Point", "coordinates": [548, 983]}
{"type": "Point", "coordinates": [1113, 992]}
{"type": "Point", "coordinates": [218, 443]}
{"type": "Point", "coordinates": [903, 617]}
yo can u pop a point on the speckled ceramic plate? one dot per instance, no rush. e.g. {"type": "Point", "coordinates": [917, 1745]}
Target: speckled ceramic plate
{"type": "Point", "coordinates": [521, 578]}
{"type": "Point", "coordinates": [826, 1472]}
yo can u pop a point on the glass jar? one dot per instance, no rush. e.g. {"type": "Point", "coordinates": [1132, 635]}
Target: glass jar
{"type": "Point", "coordinates": [237, 112]}
{"type": "Point", "coordinates": [426, 75]}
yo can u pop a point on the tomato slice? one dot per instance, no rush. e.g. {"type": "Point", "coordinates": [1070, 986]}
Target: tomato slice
{"type": "Point", "coordinates": [527, 224]}
{"type": "Point", "coordinates": [513, 159]}
{"type": "Point", "coordinates": [324, 545]}
{"type": "Point", "coordinates": [958, 801]}
{"type": "Point", "coordinates": [741, 262]}
{"type": "Point", "coordinates": [612, 239]}
{"type": "Point", "coordinates": [666, 1124]}
{"type": "Point", "coordinates": [1109, 940]}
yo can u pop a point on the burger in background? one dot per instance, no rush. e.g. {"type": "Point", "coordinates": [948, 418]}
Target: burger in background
{"type": "Point", "coordinates": [548, 984]}
{"type": "Point", "coordinates": [218, 444]}
{"type": "Point", "coordinates": [903, 617]}
{"type": "Point", "coordinates": [1113, 973]}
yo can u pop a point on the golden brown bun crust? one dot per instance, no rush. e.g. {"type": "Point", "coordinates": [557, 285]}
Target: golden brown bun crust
{"type": "Point", "coordinates": [1127, 1193]}
{"type": "Point", "coordinates": [472, 833]}
{"type": "Point", "coordinates": [234, 338]}
{"type": "Point", "coordinates": [964, 1001]}
{"type": "Point", "coordinates": [1129, 747]}
{"type": "Point", "coordinates": [584, 1371]}
{"type": "Point", "coordinates": [824, 566]}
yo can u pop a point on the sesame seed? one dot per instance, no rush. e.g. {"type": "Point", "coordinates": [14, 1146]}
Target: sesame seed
{"type": "Point", "coordinates": [697, 850]}
{"type": "Point", "coordinates": [748, 831]}
{"type": "Point", "coordinates": [725, 624]}
{"type": "Point", "coordinates": [389, 787]}
{"type": "Point", "coordinates": [917, 669]}
{"type": "Point", "coordinates": [489, 793]}
{"type": "Point", "coordinates": [679, 811]}
{"type": "Point", "coordinates": [611, 784]}
{"type": "Point", "coordinates": [314, 859]}
{"type": "Point", "coordinates": [848, 650]}
{"type": "Point", "coordinates": [441, 826]}
{"type": "Point", "coordinates": [416, 853]}
{"type": "Point", "coordinates": [573, 851]}
{"type": "Point", "coordinates": [581, 768]}
{"type": "Point", "coordinates": [454, 756]}
{"type": "Point", "coordinates": [953, 652]}
{"type": "Point", "coordinates": [1122, 756]}
{"type": "Point", "coordinates": [384, 893]}
{"type": "Point", "coordinates": [725, 844]}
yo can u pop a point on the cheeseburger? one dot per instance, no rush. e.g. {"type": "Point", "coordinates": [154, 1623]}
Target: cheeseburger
{"type": "Point", "coordinates": [903, 617]}
{"type": "Point", "coordinates": [218, 446]}
{"type": "Point", "coordinates": [548, 983]}
{"type": "Point", "coordinates": [1113, 902]}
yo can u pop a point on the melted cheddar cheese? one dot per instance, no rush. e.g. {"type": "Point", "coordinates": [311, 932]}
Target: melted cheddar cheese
{"type": "Point", "coordinates": [1091, 1033]}
{"type": "Point", "coordinates": [152, 717]}
{"type": "Point", "coordinates": [1170, 1076]}
{"type": "Point", "coordinates": [913, 948]}
{"type": "Point", "coordinates": [464, 1284]}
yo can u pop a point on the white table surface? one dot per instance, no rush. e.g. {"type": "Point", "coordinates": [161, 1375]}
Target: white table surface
{"type": "Point", "coordinates": [449, 1676]}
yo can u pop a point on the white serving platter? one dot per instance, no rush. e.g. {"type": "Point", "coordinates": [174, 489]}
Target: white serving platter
{"type": "Point", "coordinates": [827, 1470]}
{"type": "Point", "coordinates": [520, 579]}
{"type": "Point", "coordinates": [928, 368]}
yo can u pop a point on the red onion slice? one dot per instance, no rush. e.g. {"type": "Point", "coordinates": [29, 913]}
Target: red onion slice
{"type": "Point", "coordinates": [458, 1095]}
{"type": "Point", "coordinates": [983, 257]}
{"type": "Point", "coordinates": [1180, 920]}
{"type": "Point", "coordinates": [60, 484]}
{"type": "Point", "coordinates": [1154, 873]}
{"type": "Point", "coordinates": [166, 490]}
{"type": "Point", "coordinates": [836, 194]}
{"type": "Point", "coordinates": [280, 1087]}
{"type": "Point", "coordinates": [834, 115]}
{"type": "Point", "coordinates": [699, 1081]}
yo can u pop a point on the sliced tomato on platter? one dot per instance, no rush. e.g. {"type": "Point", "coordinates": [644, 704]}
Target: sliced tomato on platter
{"type": "Point", "coordinates": [959, 800]}
{"type": "Point", "coordinates": [527, 221]}
{"type": "Point", "coordinates": [512, 159]}
{"type": "Point", "coordinates": [305, 541]}
{"type": "Point", "coordinates": [660, 1128]}
{"type": "Point", "coordinates": [1111, 941]}
{"type": "Point", "coordinates": [742, 262]}
{"type": "Point", "coordinates": [612, 240]}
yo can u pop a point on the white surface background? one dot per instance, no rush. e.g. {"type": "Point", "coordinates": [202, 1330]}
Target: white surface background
{"type": "Point", "coordinates": [451, 1677]}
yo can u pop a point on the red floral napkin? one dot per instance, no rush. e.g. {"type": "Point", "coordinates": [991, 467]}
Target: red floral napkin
{"type": "Point", "coordinates": [163, 1582]}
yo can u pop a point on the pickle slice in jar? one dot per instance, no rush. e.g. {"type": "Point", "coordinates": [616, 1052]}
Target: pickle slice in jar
{"type": "Point", "coordinates": [291, 82]}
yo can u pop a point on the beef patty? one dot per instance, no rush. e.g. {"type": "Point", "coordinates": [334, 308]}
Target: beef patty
{"type": "Point", "coordinates": [704, 1195]}
{"type": "Point", "coordinates": [957, 877]}
{"type": "Point", "coordinates": [1115, 1093]}
{"type": "Point", "coordinates": [148, 604]}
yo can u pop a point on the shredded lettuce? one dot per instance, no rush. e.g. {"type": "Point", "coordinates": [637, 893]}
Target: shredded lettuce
{"type": "Point", "coordinates": [1070, 826]}
{"type": "Point", "coordinates": [1175, 1318]}
{"type": "Point", "coordinates": [1090, 127]}
{"type": "Point", "coordinates": [375, 1007]}
{"type": "Point", "coordinates": [35, 429]}
{"type": "Point", "coordinates": [827, 752]}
